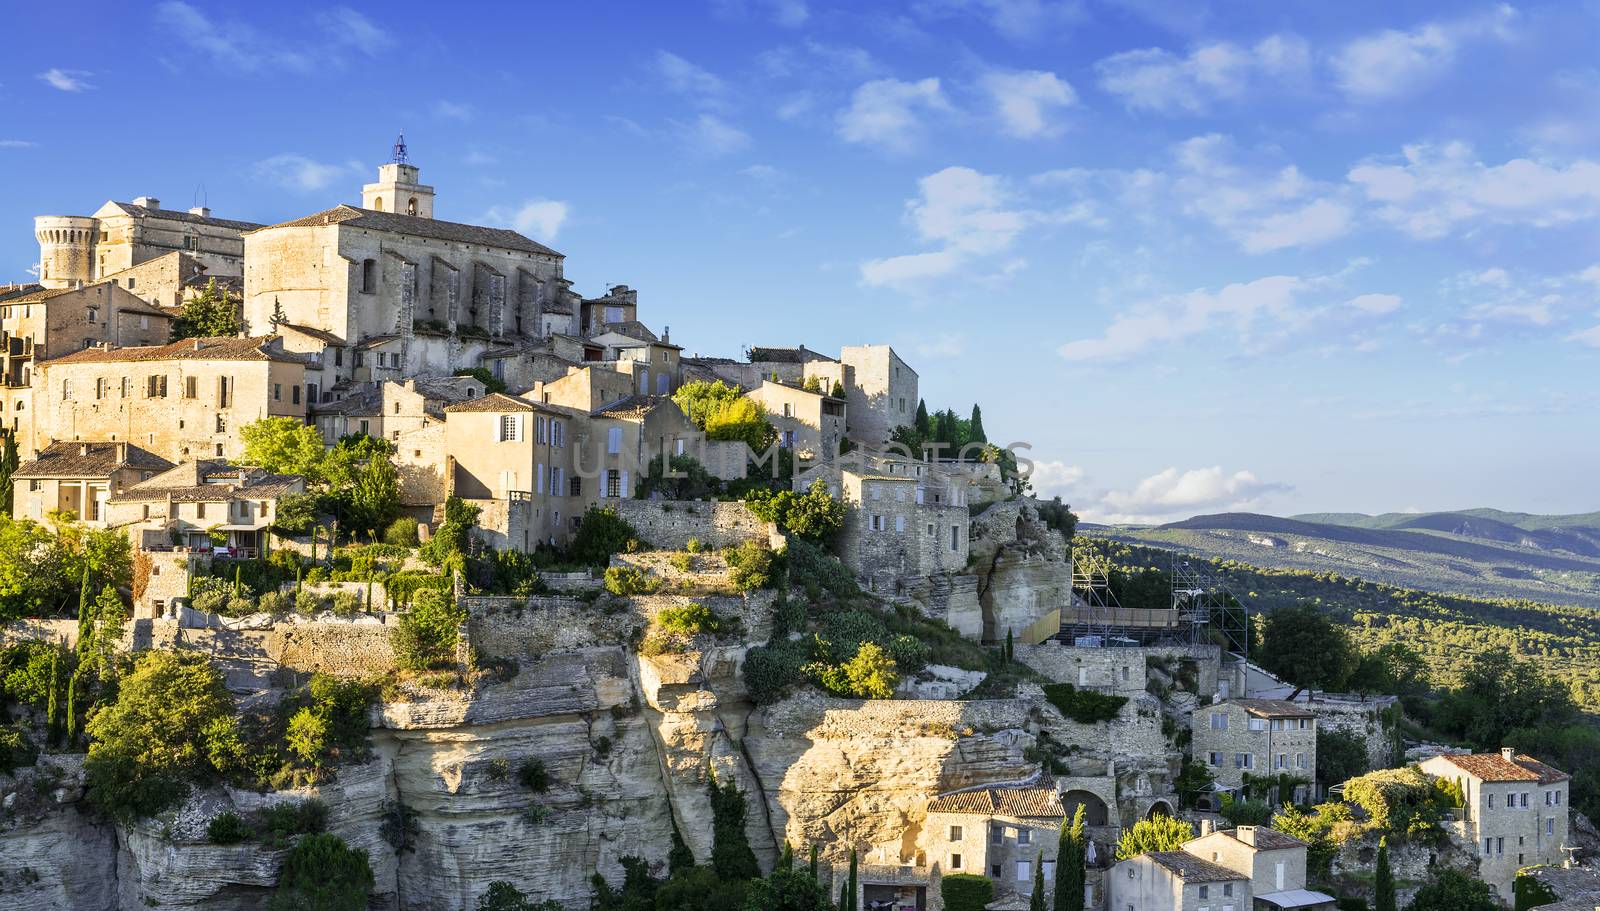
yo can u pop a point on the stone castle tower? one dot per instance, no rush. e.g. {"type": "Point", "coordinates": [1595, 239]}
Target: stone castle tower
{"type": "Point", "coordinates": [66, 249]}
{"type": "Point", "coordinates": [397, 189]}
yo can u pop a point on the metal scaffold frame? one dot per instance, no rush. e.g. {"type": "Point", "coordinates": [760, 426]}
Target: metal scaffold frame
{"type": "Point", "coordinates": [1201, 608]}
{"type": "Point", "coordinates": [1207, 608]}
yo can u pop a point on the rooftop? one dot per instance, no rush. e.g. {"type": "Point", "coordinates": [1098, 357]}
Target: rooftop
{"type": "Point", "coordinates": [260, 348]}
{"type": "Point", "coordinates": [414, 226]}
{"type": "Point", "coordinates": [634, 406]}
{"type": "Point", "coordinates": [494, 401]}
{"type": "Point", "coordinates": [1194, 869]}
{"type": "Point", "coordinates": [89, 460]}
{"type": "Point", "coordinates": [1270, 708]}
{"type": "Point", "coordinates": [1500, 767]}
{"type": "Point", "coordinates": [800, 355]}
{"type": "Point", "coordinates": [1028, 802]}
{"type": "Point", "coordinates": [210, 480]}
{"type": "Point", "coordinates": [179, 215]}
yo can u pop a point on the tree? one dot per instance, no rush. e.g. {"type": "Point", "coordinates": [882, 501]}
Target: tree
{"type": "Point", "coordinates": [1383, 882]}
{"type": "Point", "coordinates": [211, 313]}
{"type": "Point", "coordinates": [322, 873]}
{"type": "Point", "coordinates": [1500, 694]}
{"type": "Point", "coordinates": [731, 856]}
{"type": "Point", "coordinates": [425, 636]}
{"type": "Point", "coordinates": [307, 736]}
{"type": "Point", "coordinates": [922, 426]}
{"type": "Point", "coordinates": [1158, 833]}
{"type": "Point", "coordinates": [503, 896]}
{"type": "Point", "coordinates": [1071, 862]}
{"type": "Point", "coordinates": [297, 512]}
{"type": "Point", "coordinates": [1302, 645]}
{"type": "Point", "coordinates": [447, 549]}
{"type": "Point", "coordinates": [787, 890]}
{"type": "Point", "coordinates": [8, 467]}
{"type": "Point", "coordinates": [283, 446]}
{"type": "Point", "coordinates": [699, 401]}
{"type": "Point", "coordinates": [966, 892]}
{"type": "Point", "coordinates": [1341, 756]}
{"type": "Point", "coordinates": [975, 432]}
{"type": "Point", "coordinates": [692, 481]}
{"type": "Point", "coordinates": [601, 533]}
{"type": "Point", "coordinates": [741, 419]}
{"type": "Point", "coordinates": [1454, 891]}
{"type": "Point", "coordinates": [1393, 669]}
{"type": "Point", "coordinates": [837, 391]}
{"type": "Point", "coordinates": [852, 887]}
{"type": "Point", "coordinates": [814, 516]}
{"type": "Point", "coordinates": [375, 497]}
{"type": "Point", "coordinates": [147, 745]}
{"type": "Point", "coordinates": [871, 674]}
{"type": "Point", "coordinates": [1038, 902]}
{"type": "Point", "coordinates": [33, 561]}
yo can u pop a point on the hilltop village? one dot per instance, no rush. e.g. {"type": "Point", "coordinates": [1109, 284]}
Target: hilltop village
{"type": "Point", "coordinates": [365, 553]}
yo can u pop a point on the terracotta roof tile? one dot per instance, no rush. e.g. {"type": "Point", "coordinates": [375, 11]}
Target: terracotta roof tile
{"type": "Point", "coordinates": [394, 223]}
{"type": "Point", "coordinates": [204, 349]}
{"type": "Point", "coordinates": [1194, 869]}
{"type": "Point", "coordinates": [1271, 708]}
{"type": "Point", "coordinates": [1268, 839]}
{"type": "Point", "coordinates": [1030, 802]}
{"type": "Point", "coordinates": [89, 460]}
{"type": "Point", "coordinates": [1495, 767]}
{"type": "Point", "coordinates": [494, 401]}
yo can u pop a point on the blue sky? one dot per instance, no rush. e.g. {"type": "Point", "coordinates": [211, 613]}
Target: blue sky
{"type": "Point", "coordinates": [1281, 256]}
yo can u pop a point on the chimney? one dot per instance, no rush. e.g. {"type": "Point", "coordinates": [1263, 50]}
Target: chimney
{"type": "Point", "coordinates": [1207, 827]}
{"type": "Point", "coordinates": [1246, 834]}
{"type": "Point", "coordinates": [1508, 754]}
{"type": "Point", "coordinates": [197, 345]}
{"type": "Point", "coordinates": [83, 449]}
{"type": "Point", "coordinates": [201, 211]}
{"type": "Point", "coordinates": [149, 202]}
{"type": "Point", "coordinates": [122, 453]}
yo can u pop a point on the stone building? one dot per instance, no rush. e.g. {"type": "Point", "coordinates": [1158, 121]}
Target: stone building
{"type": "Point", "coordinates": [79, 249]}
{"type": "Point", "coordinates": [1175, 881]}
{"type": "Point", "coordinates": [171, 279]}
{"type": "Point", "coordinates": [894, 533]}
{"type": "Point", "coordinates": [1515, 812]}
{"type": "Point", "coordinates": [186, 505]}
{"type": "Point", "coordinates": [389, 409]}
{"type": "Point", "coordinates": [996, 832]}
{"type": "Point", "coordinates": [810, 424]}
{"type": "Point", "coordinates": [1259, 738]}
{"type": "Point", "coordinates": [514, 459]}
{"type": "Point", "coordinates": [79, 478]}
{"type": "Point", "coordinates": [182, 401]}
{"type": "Point", "coordinates": [1274, 862]}
{"type": "Point", "coordinates": [410, 294]}
{"type": "Point", "coordinates": [882, 392]}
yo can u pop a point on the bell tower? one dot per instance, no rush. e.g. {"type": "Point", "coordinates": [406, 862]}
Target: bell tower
{"type": "Point", "coordinates": [397, 189]}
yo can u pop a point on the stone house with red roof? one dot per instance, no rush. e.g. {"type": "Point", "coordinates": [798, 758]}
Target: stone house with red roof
{"type": "Point", "coordinates": [1515, 811]}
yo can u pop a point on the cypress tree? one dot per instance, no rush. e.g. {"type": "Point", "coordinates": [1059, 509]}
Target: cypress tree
{"type": "Point", "coordinates": [786, 859]}
{"type": "Point", "coordinates": [1383, 882]}
{"type": "Point", "coordinates": [975, 432]}
{"type": "Point", "coordinates": [1071, 856]}
{"type": "Point", "coordinates": [72, 706]}
{"type": "Point", "coordinates": [922, 426]}
{"type": "Point", "coordinates": [731, 856]}
{"type": "Point", "coordinates": [83, 608]}
{"type": "Point", "coordinates": [838, 390]}
{"type": "Point", "coordinates": [813, 860]}
{"type": "Point", "coordinates": [50, 708]}
{"type": "Point", "coordinates": [1037, 902]}
{"type": "Point", "coordinates": [851, 906]}
{"type": "Point", "coordinates": [8, 466]}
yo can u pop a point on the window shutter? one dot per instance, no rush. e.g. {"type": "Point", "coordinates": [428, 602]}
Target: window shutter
{"type": "Point", "coordinates": [623, 493]}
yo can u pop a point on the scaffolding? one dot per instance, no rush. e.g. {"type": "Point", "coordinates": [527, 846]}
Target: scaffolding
{"type": "Point", "coordinates": [1201, 608]}
{"type": "Point", "coordinates": [1206, 608]}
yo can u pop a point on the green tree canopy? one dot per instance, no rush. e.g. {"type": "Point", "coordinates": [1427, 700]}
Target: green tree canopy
{"type": "Point", "coordinates": [700, 400]}
{"type": "Point", "coordinates": [1158, 833]}
{"type": "Point", "coordinates": [213, 312]}
{"type": "Point", "coordinates": [283, 446]}
{"type": "Point", "coordinates": [787, 890]}
{"type": "Point", "coordinates": [1302, 645]}
{"type": "Point", "coordinates": [1454, 891]}
{"type": "Point", "coordinates": [1071, 860]}
{"type": "Point", "coordinates": [322, 873]}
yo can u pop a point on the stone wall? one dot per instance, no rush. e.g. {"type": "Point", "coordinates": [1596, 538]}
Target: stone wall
{"type": "Point", "coordinates": [1118, 670]}
{"type": "Point", "coordinates": [669, 524]}
{"type": "Point", "coordinates": [343, 649]}
{"type": "Point", "coordinates": [62, 631]}
{"type": "Point", "coordinates": [1362, 717]}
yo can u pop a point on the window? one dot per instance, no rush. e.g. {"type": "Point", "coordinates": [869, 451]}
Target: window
{"type": "Point", "coordinates": [877, 492]}
{"type": "Point", "coordinates": [510, 429]}
{"type": "Point", "coordinates": [1277, 724]}
{"type": "Point", "coordinates": [66, 390]}
{"type": "Point", "coordinates": [191, 387]}
{"type": "Point", "coordinates": [1205, 892]}
{"type": "Point", "coordinates": [955, 861]}
{"type": "Point", "coordinates": [277, 392]}
{"type": "Point", "coordinates": [199, 510]}
{"type": "Point", "coordinates": [899, 523]}
{"type": "Point", "coordinates": [1550, 827]}
{"type": "Point", "coordinates": [295, 397]}
{"type": "Point", "coordinates": [190, 242]}
{"type": "Point", "coordinates": [124, 387]}
{"type": "Point", "coordinates": [1491, 801]}
{"type": "Point", "coordinates": [997, 835]}
{"type": "Point", "coordinates": [1219, 721]}
{"type": "Point", "coordinates": [364, 428]}
{"type": "Point", "coordinates": [558, 434]}
{"type": "Point", "coordinates": [613, 483]}
{"type": "Point", "coordinates": [338, 357]}
{"type": "Point", "coordinates": [369, 276]}
{"type": "Point", "coordinates": [1227, 890]}
{"type": "Point", "coordinates": [92, 314]}
{"type": "Point", "coordinates": [100, 384]}
{"type": "Point", "coordinates": [1299, 760]}
{"type": "Point", "coordinates": [663, 384]}
{"type": "Point", "coordinates": [613, 314]}
{"type": "Point", "coordinates": [558, 475]}
{"type": "Point", "coordinates": [955, 833]}
{"type": "Point", "coordinates": [614, 440]}
{"type": "Point", "coordinates": [1258, 724]}
{"type": "Point", "coordinates": [541, 431]}
{"type": "Point", "coordinates": [955, 537]}
{"type": "Point", "coordinates": [222, 424]}
{"type": "Point", "coordinates": [224, 391]}
{"type": "Point", "coordinates": [877, 522]}
{"type": "Point", "coordinates": [1244, 760]}
{"type": "Point", "coordinates": [539, 478]}
{"type": "Point", "coordinates": [1283, 761]}
{"type": "Point", "coordinates": [1024, 871]}
{"type": "Point", "coordinates": [1024, 837]}
{"type": "Point", "coordinates": [576, 489]}
{"type": "Point", "coordinates": [1215, 759]}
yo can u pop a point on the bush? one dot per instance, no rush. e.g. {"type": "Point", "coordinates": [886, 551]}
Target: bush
{"type": "Point", "coordinates": [870, 674]}
{"type": "Point", "coordinates": [749, 566]}
{"type": "Point", "coordinates": [1158, 833]}
{"type": "Point", "coordinates": [682, 562]}
{"type": "Point", "coordinates": [693, 546]}
{"type": "Point", "coordinates": [402, 532]}
{"type": "Point", "coordinates": [600, 534]}
{"type": "Point", "coordinates": [15, 750]}
{"type": "Point", "coordinates": [1399, 801]}
{"type": "Point", "coordinates": [325, 874]}
{"type": "Point", "coordinates": [533, 775]}
{"type": "Point", "coordinates": [403, 586]}
{"type": "Point", "coordinates": [345, 603]}
{"type": "Point", "coordinates": [1245, 812]}
{"type": "Point", "coordinates": [688, 620]}
{"type": "Point", "coordinates": [274, 603]}
{"type": "Point", "coordinates": [630, 580]}
{"type": "Point", "coordinates": [147, 745]}
{"type": "Point", "coordinates": [1083, 706]}
{"type": "Point", "coordinates": [228, 828]}
{"type": "Point", "coordinates": [31, 671]}
{"type": "Point", "coordinates": [966, 892]}
{"type": "Point", "coordinates": [425, 636]}
{"type": "Point", "coordinates": [210, 595]}
{"type": "Point", "coordinates": [771, 670]}
{"type": "Point", "coordinates": [818, 571]}
{"type": "Point", "coordinates": [283, 821]}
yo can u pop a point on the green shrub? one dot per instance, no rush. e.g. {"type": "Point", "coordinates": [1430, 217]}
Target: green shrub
{"type": "Point", "coordinates": [345, 603]}
{"type": "Point", "coordinates": [1157, 833]}
{"type": "Point", "coordinates": [1399, 801]}
{"type": "Point", "coordinates": [31, 670]}
{"type": "Point", "coordinates": [682, 562]}
{"type": "Point", "coordinates": [1083, 706]}
{"type": "Point", "coordinates": [966, 892]}
{"type": "Point", "coordinates": [211, 595]}
{"type": "Point", "coordinates": [690, 619]}
{"type": "Point", "coordinates": [402, 532]}
{"type": "Point", "coordinates": [15, 750]}
{"type": "Point", "coordinates": [870, 674]}
{"type": "Point", "coordinates": [770, 671]}
{"type": "Point", "coordinates": [274, 603]}
{"type": "Point", "coordinates": [1245, 812]}
{"type": "Point", "coordinates": [600, 534]}
{"type": "Point", "coordinates": [630, 580]}
{"type": "Point", "coordinates": [282, 821]}
{"type": "Point", "coordinates": [818, 571]}
{"type": "Point", "coordinates": [325, 874]}
{"type": "Point", "coordinates": [425, 636]}
{"type": "Point", "coordinates": [228, 828]}
{"type": "Point", "coordinates": [1531, 892]}
{"type": "Point", "coordinates": [693, 546]}
{"type": "Point", "coordinates": [403, 586]}
{"type": "Point", "coordinates": [749, 566]}
{"type": "Point", "coordinates": [533, 775]}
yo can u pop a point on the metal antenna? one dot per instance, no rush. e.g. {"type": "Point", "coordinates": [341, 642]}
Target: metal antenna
{"type": "Point", "coordinates": [200, 198]}
{"type": "Point", "coordinates": [400, 156]}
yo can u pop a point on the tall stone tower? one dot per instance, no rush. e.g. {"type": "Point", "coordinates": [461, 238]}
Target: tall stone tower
{"type": "Point", "coordinates": [397, 189]}
{"type": "Point", "coordinates": [66, 249]}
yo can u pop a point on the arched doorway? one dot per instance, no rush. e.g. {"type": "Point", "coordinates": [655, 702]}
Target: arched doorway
{"type": "Point", "coordinates": [1159, 808]}
{"type": "Point", "coordinates": [1095, 812]}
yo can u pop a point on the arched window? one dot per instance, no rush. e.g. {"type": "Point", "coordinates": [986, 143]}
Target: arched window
{"type": "Point", "coordinates": [411, 206]}
{"type": "Point", "coordinates": [377, 204]}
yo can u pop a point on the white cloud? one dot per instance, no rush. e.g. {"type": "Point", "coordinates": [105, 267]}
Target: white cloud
{"type": "Point", "coordinates": [787, 13]}
{"type": "Point", "coordinates": [1054, 478]}
{"type": "Point", "coordinates": [1591, 274]}
{"type": "Point", "coordinates": [1025, 101]}
{"type": "Point", "coordinates": [762, 172]}
{"type": "Point", "coordinates": [1262, 210]}
{"type": "Point", "coordinates": [911, 269]}
{"type": "Point", "coordinates": [234, 44]}
{"type": "Point", "coordinates": [689, 79]}
{"type": "Point", "coordinates": [1175, 318]}
{"type": "Point", "coordinates": [1159, 80]}
{"type": "Point", "coordinates": [540, 219]}
{"type": "Point", "coordinates": [452, 110]}
{"type": "Point", "coordinates": [941, 347]}
{"type": "Point", "coordinates": [887, 113]}
{"type": "Point", "coordinates": [1017, 20]}
{"type": "Point", "coordinates": [1376, 303]}
{"type": "Point", "coordinates": [66, 80]}
{"type": "Point", "coordinates": [711, 136]}
{"type": "Point", "coordinates": [1437, 188]}
{"type": "Point", "coordinates": [1589, 337]}
{"type": "Point", "coordinates": [1495, 278]}
{"type": "Point", "coordinates": [17, 144]}
{"type": "Point", "coordinates": [1176, 494]}
{"type": "Point", "coordinates": [297, 172]}
{"type": "Point", "coordinates": [1392, 63]}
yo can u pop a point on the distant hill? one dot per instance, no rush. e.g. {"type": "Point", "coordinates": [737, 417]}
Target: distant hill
{"type": "Point", "coordinates": [1475, 552]}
